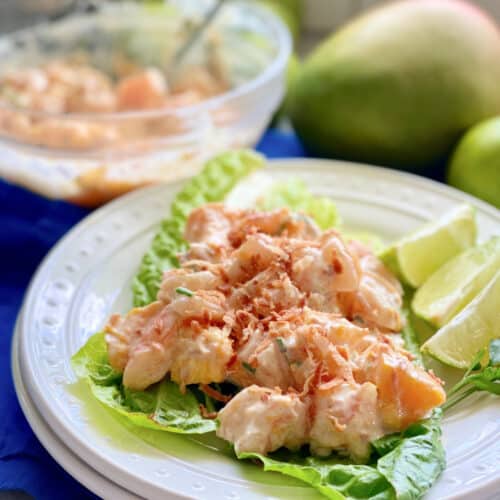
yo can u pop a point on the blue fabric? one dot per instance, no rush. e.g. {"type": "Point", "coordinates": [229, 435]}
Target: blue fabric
{"type": "Point", "coordinates": [29, 226]}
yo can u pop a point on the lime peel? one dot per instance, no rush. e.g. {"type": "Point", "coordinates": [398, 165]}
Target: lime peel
{"type": "Point", "coordinates": [456, 283]}
{"type": "Point", "coordinates": [416, 256]}
{"type": "Point", "coordinates": [472, 329]}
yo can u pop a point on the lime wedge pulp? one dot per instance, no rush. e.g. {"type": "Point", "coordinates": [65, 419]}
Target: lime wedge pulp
{"type": "Point", "coordinates": [456, 283]}
{"type": "Point", "coordinates": [416, 256]}
{"type": "Point", "coordinates": [472, 329]}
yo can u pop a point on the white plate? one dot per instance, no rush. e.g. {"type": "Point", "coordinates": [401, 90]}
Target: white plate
{"type": "Point", "coordinates": [57, 449]}
{"type": "Point", "coordinates": [87, 276]}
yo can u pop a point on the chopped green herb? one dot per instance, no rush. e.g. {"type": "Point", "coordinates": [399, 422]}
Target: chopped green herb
{"type": "Point", "coordinates": [184, 291]}
{"type": "Point", "coordinates": [281, 344]}
{"type": "Point", "coordinates": [248, 367]}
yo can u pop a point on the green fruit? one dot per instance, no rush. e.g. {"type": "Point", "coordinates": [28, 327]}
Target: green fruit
{"type": "Point", "coordinates": [455, 284]}
{"type": "Point", "coordinates": [399, 85]}
{"type": "Point", "coordinates": [475, 164]}
{"type": "Point", "coordinates": [458, 341]}
{"type": "Point", "coordinates": [292, 70]}
{"type": "Point", "coordinates": [418, 255]}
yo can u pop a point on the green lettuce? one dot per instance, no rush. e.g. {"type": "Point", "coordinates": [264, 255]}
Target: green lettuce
{"type": "Point", "coordinates": [410, 337]}
{"type": "Point", "coordinates": [162, 406]}
{"type": "Point", "coordinates": [294, 195]}
{"type": "Point", "coordinates": [334, 480]}
{"type": "Point", "coordinates": [212, 184]}
{"type": "Point", "coordinates": [413, 459]}
{"type": "Point", "coordinates": [403, 466]}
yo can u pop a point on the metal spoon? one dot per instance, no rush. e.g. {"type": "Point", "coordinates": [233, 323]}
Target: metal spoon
{"type": "Point", "coordinates": [193, 38]}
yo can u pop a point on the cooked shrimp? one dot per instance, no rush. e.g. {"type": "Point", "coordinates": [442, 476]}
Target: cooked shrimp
{"type": "Point", "coordinates": [261, 361]}
{"type": "Point", "coordinates": [209, 224]}
{"type": "Point", "coordinates": [143, 343]}
{"type": "Point", "coordinates": [122, 331]}
{"type": "Point", "coordinates": [279, 222]}
{"type": "Point", "coordinates": [268, 292]}
{"type": "Point", "coordinates": [201, 357]}
{"type": "Point", "coordinates": [292, 348]}
{"type": "Point", "coordinates": [193, 281]}
{"type": "Point", "coordinates": [261, 420]}
{"type": "Point", "coordinates": [378, 299]}
{"type": "Point", "coordinates": [148, 363]}
{"type": "Point", "coordinates": [71, 86]}
{"type": "Point", "coordinates": [147, 89]}
{"type": "Point", "coordinates": [345, 418]}
{"type": "Point", "coordinates": [33, 79]}
{"type": "Point", "coordinates": [256, 254]}
{"type": "Point", "coordinates": [325, 268]}
{"type": "Point", "coordinates": [206, 306]}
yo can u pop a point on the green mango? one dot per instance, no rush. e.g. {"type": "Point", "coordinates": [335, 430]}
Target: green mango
{"type": "Point", "coordinates": [475, 164]}
{"type": "Point", "coordinates": [399, 85]}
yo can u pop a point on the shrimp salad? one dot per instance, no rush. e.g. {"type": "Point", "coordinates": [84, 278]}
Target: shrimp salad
{"type": "Point", "coordinates": [73, 87]}
{"type": "Point", "coordinates": [290, 335]}
{"type": "Point", "coordinates": [302, 321]}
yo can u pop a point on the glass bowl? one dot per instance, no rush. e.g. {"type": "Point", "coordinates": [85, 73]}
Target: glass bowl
{"type": "Point", "coordinates": [89, 158]}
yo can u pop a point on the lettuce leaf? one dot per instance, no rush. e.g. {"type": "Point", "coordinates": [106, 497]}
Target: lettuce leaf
{"type": "Point", "coordinates": [410, 337]}
{"type": "Point", "coordinates": [162, 406]}
{"type": "Point", "coordinates": [405, 465]}
{"type": "Point", "coordinates": [413, 459]}
{"type": "Point", "coordinates": [295, 195]}
{"type": "Point", "coordinates": [216, 179]}
{"type": "Point", "coordinates": [333, 479]}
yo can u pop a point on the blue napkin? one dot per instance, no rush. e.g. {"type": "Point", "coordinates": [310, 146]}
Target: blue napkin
{"type": "Point", "coordinates": [29, 226]}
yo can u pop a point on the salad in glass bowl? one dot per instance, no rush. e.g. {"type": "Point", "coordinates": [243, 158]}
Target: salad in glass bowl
{"type": "Point", "coordinates": [92, 105]}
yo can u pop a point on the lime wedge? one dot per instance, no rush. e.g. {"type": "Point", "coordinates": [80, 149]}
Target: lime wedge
{"type": "Point", "coordinates": [456, 283]}
{"type": "Point", "coordinates": [416, 256]}
{"type": "Point", "coordinates": [472, 329]}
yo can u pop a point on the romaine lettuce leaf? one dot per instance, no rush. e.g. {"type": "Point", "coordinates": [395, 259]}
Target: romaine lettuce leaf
{"type": "Point", "coordinates": [410, 337]}
{"type": "Point", "coordinates": [333, 479]}
{"type": "Point", "coordinates": [404, 467]}
{"type": "Point", "coordinates": [295, 195]}
{"type": "Point", "coordinates": [413, 459]}
{"type": "Point", "coordinates": [162, 406]}
{"type": "Point", "coordinates": [216, 179]}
